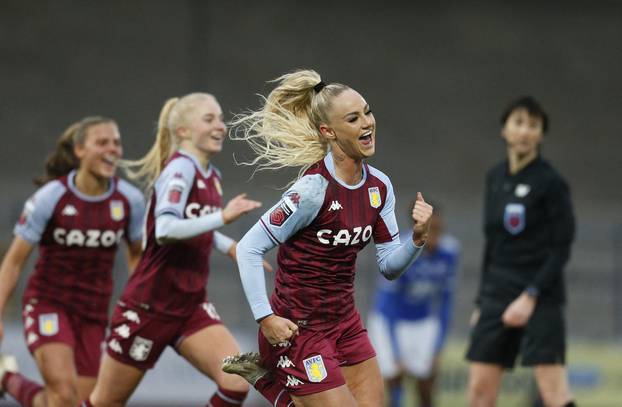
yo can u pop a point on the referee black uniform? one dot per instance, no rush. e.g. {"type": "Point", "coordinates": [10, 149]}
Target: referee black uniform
{"type": "Point", "coordinates": [529, 228]}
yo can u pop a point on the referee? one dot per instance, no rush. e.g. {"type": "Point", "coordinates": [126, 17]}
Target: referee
{"type": "Point", "coordinates": [529, 227]}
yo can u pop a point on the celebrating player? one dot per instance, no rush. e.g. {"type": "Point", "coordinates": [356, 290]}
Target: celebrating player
{"type": "Point", "coordinates": [529, 227]}
{"type": "Point", "coordinates": [411, 316]}
{"type": "Point", "coordinates": [164, 303]}
{"type": "Point", "coordinates": [78, 218]}
{"type": "Point", "coordinates": [312, 339]}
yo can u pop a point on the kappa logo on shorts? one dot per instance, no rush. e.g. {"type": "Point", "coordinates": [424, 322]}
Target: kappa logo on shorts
{"type": "Point", "coordinates": [32, 338]}
{"type": "Point", "coordinates": [285, 362]}
{"type": "Point", "coordinates": [48, 324]}
{"type": "Point", "coordinates": [123, 331]}
{"type": "Point", "coordinates": [29, 321]}
{"type": "Point", "coordinates": [140, 349]}
{"type": "Point", "coordinates": [132, 316]}
{"type": "Point", "coordinates": [314, 366]}
{"type": "Point", "coordinates": [292, 381]}
{"type": "Point", "coordinates": [115, 346]}
{"type": "Point", "coordinates": [211, 310]}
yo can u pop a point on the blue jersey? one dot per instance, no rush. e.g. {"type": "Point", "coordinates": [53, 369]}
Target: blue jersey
{"type": "Point", "coordinates": [425, 290]}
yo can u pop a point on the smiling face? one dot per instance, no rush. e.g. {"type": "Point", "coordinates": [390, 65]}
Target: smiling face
{"type": "Point", "coordinates": [351, 125]}
{"type": "Point", "coordinates": [205, 129]}
{"type": "Point", "coordinates": [523, 133]}
{"type": "Point", "coordinates": [101, 150]}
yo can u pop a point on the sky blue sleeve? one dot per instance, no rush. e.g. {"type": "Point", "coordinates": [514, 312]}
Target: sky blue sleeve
{"type": "Point", "coordinates": [173, 186]}
{"type": "Point", "coordinates": [38, 210]}
{"type": "Point", "coordinates": [392, 255]}
{"type": "Point", "coordinates": [137, 210]}
{"type": "Point", "coordinates": [297, 208]}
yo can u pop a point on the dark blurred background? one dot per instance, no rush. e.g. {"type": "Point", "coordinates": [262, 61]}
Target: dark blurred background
{"type": "Point", "coordinates": [437, 75]}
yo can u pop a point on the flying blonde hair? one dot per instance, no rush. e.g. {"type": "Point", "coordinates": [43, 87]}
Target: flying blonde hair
{"type": "Point", "coordinates": [175, 113]}
{"type": "Point", "coordinates": [285, 131]}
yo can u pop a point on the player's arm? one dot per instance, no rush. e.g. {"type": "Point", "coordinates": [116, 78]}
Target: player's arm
{"type": "Point", "coordinates": [562, 225]}
{"type": "Point", "coordinates": [11, 268]}
{"type": "Point", "coordinates": [392, 255]}
{"type": "Point", "coordinates": [172, 190]}
{"type": "Point", "coordinates": [297, 209]}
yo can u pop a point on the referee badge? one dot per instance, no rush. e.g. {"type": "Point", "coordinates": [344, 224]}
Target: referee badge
{"type": "Point", "coordinates": [514, 218]}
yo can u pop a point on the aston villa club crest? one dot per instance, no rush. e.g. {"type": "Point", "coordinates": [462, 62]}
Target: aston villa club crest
{"type": "Point", "coordinates": [140, 349]}
{"type": "Point", "coordinates": [117, 212]}
{"type": "Point", "coordinates": [514, 218]}
{"type": "Point", "coordinates": [48, 324]}
{"type": "Point", "coordinates": [316, 371]}
{"type": "Point", "coordinates": [374, 197]}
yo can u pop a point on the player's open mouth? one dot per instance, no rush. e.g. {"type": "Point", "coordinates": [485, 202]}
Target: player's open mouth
{"type": "Point", "coordinates": [366, 139]}
{"type": "Point", "coordinates": [217, 137]}
{"type": "Point", "coordinates": [110, 160]}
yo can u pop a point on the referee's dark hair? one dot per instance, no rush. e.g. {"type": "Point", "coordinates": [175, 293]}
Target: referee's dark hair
{"type": "Point", "coordinates": [533, 108]}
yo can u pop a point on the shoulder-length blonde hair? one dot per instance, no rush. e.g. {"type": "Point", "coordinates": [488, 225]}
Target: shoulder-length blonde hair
{"type": "Point", "coordinates": [175, 113]}
{"type": "Point", "coordinates": [284, 132]}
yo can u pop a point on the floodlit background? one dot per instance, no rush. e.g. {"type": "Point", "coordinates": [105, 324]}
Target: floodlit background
{"type": "Point", "coordinates": [437, 75]}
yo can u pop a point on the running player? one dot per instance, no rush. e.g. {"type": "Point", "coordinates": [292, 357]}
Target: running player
{"type": "Point", "coordinates": [165, 301]}
{"type": "Point", "coordinates": [529, 227]}
{"type": "Point", "coordinates": [410, 318]}
{"type": "Point", "coordinates": [311, 336]}
{"type": "Point", "coordinates": [77, 218]}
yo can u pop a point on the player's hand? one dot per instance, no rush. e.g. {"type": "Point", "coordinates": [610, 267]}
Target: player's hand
{"type": "Point", "coordinates": [474, 317]}
{"type": "Point", "coordinates": [237, 207]}
{"type": "Point", "coordinates": [422, 214]}
{"type": "Point", "coordinates": [519, 311]}
{"type": "Point", "coordinates": [277, 329]}
{"type": "Point", "coordinates": [267, 267]}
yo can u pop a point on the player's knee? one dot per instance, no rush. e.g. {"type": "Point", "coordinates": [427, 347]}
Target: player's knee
{"type": "Point", "coordinates": [61, 393]}
{"type": "Point", "coordinates": [480, 393]}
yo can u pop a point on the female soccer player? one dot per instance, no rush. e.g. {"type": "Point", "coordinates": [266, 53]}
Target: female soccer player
{"type": "Point", "coordinates": [164, 302]}
{"type": "Point", "coordinates": [529, 227]}
{"type": "Point", "coordinates": [78, 218]}
{"type": "Point", "coordinates": [409, 322]}
{"type": "Point", "coordinates": [311, 338]}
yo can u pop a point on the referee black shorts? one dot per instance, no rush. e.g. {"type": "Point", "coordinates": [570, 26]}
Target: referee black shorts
{"type": "Point", "coordinates": [541, 341]}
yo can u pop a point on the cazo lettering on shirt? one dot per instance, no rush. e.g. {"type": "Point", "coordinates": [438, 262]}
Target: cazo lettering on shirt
{"type": "Point", "coordinates": [88, 238]}
{"type": "Point", "coordinates": [194, 210]}
{"type": "Point", "coordinates": [344, 236]}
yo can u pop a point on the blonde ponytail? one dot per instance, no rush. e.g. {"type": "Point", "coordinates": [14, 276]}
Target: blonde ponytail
{"type": "Point", "coordinates": [285, 131]}
{"type": "Point", "coordinates": [149, 167]}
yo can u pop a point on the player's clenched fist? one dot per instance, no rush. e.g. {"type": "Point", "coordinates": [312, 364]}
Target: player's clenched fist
{"type": "Point", "coordinates": [422, 213]}
{"type": "Point", "coordinates": [277, 329]}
